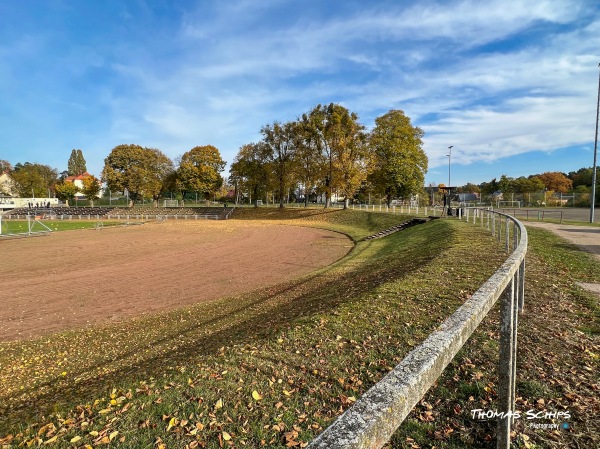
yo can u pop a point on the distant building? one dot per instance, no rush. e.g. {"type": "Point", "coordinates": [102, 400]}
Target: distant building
{"type": "Point", "coordinates": [78, 181]}
{"type": "Point", "coordinates": [467, 197]}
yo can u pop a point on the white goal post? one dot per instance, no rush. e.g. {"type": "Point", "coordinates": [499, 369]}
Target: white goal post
{"type": "Point", "coordinates": [171, 203]}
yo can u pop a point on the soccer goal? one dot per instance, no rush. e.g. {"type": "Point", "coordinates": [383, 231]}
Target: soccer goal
{"type": "Point", "coordinates": [508, 204]}
{"type": "Point", "coordinates": [171, 203]}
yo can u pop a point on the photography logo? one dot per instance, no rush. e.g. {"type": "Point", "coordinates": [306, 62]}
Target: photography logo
{"type": "Point", "coordinates": [532, 417]}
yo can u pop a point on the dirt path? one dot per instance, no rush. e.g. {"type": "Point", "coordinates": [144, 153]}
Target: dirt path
{"type": "Point", "coordinates": [72, 279]}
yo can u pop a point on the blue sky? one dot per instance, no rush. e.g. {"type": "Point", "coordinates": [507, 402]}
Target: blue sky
{"type": "Point", "coordinates": [512, 86]}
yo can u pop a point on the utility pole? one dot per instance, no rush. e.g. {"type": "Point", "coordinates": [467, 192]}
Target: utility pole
{"type": "Point", "coordinates": [595, 155]}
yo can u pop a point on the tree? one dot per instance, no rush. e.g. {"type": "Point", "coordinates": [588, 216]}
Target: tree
{"type": "Point", "coordinates": [341, 139]}
{"type": "Point", "coordinates": [309, 161]}
{"type": "Point", "coordinates": [506, 185]}
{"type": "Point", "coordinates": [280, 143]}
{"type": "Point", "coordinates": [76, 165]}
{"type": "Point", "coordinates": [583, 177]}
{"type": "Point", "coordinates": [91, 188]}
{"type": "Point", "coordinates": [142, 171]}
{"type": "Point", "coordinates": [469, 188]}
{"type": "Point", "coordinates": [66, 191]}
{"type": "Point", "coordinates": [556, 181]}
{"type": "Point", "coordinates": [33, 179]}
{"type": "Point", "coordinates": [5, 166]}
{"type": "Point", "coordinates": [400, 161]}
{"type": "Point", "coordinates": [529, 185]}
{"type": "Point", "coordinates": [489, 188]}
{"type": "Point", "coordinates": [251, 169]}
{"type": "Point", "coordinates": [199, 170]}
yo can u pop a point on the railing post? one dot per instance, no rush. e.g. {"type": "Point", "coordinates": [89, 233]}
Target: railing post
{"type": "Point", "coordinates": [505, 365]}
{"type": "Point", "coordinates": [522, 285]}
{"type": "Point", "coordinates": [507, 235]}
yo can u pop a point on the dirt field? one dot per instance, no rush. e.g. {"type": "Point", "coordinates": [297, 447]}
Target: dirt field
{"type": "Point", "coordinates": [73, 279]}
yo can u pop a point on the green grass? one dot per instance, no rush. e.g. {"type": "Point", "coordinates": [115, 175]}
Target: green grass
{"type": "Point", "coordinates": [267, 368]}
{"type": "Point", "coordinates": [21, 226]}
{"type": "Point", "coordinates": [557, 363]}
{"type": "Point", "coordinates": [275, 366]}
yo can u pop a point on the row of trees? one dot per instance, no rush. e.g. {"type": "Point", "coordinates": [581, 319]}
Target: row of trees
{"type": "Point", "coordinates": [38, 180]}
{"type": "Point", "coordinates": [580, 180]}
{"type": "Point", "coordinates": [149, 173]}
{"type": "Point", "coordinates": [327, 150]}
{"type": "Point", "coordinates": [536, 189]}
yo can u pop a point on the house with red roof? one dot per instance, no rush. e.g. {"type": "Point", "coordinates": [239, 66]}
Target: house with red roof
{"type": "Point", "coordinates": [78, 181]}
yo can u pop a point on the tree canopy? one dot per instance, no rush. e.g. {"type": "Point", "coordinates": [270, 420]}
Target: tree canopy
{"type": "Point", "coordinates": [199, 170]}
{"type": "Point", "coordinates": [141, 171]}
{"type": "Point", "coordinates": [33, 179]}
{"type": "Point", "coordinates": [66, 191]}
{"type": "Point", "coordinates": [91, 188]}
{"type": "Point", "coordinates": [400, 161]}
{"type": "Point", "coordinates": [556, 181]}
{"type": "Point", "coordinates": [76, 165]}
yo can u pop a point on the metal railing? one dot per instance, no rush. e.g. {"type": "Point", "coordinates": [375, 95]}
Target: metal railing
{"type": "Point", "coordinates": [372, 420]}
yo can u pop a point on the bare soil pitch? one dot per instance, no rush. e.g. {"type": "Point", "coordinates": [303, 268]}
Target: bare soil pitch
{"type": "Point", "coordinates": [74, 279]}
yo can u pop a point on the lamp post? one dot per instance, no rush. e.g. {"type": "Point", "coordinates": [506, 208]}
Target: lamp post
{"type": "Point", "coordinates": [595, 156]}
{"type": "Point", "coordinates": [449, 161]}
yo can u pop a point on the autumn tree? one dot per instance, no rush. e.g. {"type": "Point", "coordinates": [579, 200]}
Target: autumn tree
{"type": "Point", "coordinates": [342, 143]}
{"type": "Point", "coordinates": [142, 171]}
{"type": "Point", "coordinates": [556, 182]}
{"type": "Point", "coordinates": [199, 170]}
{"type": "Point", "coordinates": [531, 184]}
{"type": "Point", "coordinates": [91, 188]}
{"type": "Point", "coordinates": [400, 161]}
{"type": "Point", "coordinates": [5, 166]}
{"type": "Point", "coordinates": [76, 164]}
{"type": "Point", "coordinates": [280, 143]}
{"type": "Point", "coordinates": [309, 159]}
{"type": "Point", "coordinates": [251, 169]}
{"type": "Point", "coordinates": [33, 179]}
{"type": "Point", "coordinates": [66, 191]}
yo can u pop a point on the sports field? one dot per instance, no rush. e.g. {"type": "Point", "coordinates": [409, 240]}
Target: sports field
{"type": "Point", "coordinates": [73, 279]}
{"type": "Point", "coordinates": [131, 351]}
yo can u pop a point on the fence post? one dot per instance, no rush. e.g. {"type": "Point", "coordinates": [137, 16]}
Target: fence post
{"type": "Point", "coordinates": [506, 360]}
{"type": "Point", "coordinates": [507, 234]}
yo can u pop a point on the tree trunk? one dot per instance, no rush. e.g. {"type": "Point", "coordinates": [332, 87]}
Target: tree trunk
{"type": "Point", "coordinates": [346, 202]}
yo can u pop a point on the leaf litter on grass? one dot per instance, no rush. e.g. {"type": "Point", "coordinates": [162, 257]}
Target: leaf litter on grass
{"type": "Point", "coordinates": [190, 378]}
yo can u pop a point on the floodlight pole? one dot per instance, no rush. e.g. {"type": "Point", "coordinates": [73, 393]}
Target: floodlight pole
{"type": "Point", "coordinates": [595, 155]}
{"type": "Point", "coordinates": [449, 160]}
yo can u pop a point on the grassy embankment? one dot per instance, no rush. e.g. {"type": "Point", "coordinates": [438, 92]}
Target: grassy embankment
{"type": "Point", "coordinates": [275, 366]}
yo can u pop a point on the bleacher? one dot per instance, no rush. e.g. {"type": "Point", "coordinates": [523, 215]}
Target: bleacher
{"type": "Point", "coordinates": [70, 212]}
{"type": "Point", "coordinates": [108, 212]}
{"type": "Point", "coordinates": [193, 213]}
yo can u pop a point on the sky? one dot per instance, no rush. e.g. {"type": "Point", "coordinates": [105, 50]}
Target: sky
{"type": "Point", "coordinates": [511, 85]}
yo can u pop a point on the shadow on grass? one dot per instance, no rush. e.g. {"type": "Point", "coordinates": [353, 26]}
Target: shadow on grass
{"type": "Point", "coordinates": [251, 319]}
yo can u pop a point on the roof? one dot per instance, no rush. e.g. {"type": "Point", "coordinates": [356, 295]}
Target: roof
{"type": "Point", "coordinates": [80, 177]}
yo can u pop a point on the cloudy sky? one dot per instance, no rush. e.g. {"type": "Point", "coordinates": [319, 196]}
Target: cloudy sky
{"type": "Point", "coordinates": [511, 85]}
